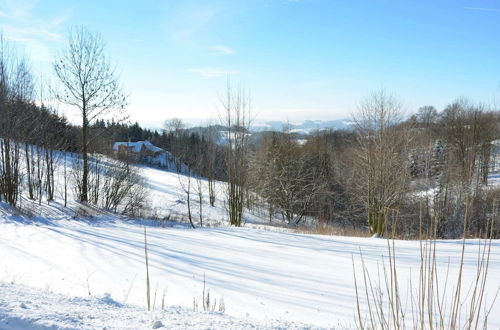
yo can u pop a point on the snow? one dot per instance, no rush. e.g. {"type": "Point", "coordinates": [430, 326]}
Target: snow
{"type": "Point", "coordinates": [61, 271]}
{"type": "Point", "coordinates": [168, 199]}
{"type": "Point", "coordinates": [167, 161]}
{"type": "Point", "coordinates": [42, 309]}
{"type": "Point", "coordinates": [137, 146]}
{"type": "Point", "coordinates": [262, 275]}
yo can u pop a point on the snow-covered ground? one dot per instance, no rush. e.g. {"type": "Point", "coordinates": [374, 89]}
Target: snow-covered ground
{"type": "Point", "coordinates": [168, 199]}
{"type": "Point", "coordinates": [58, 270]}
{"type": "Point", "coordinates": [261, 275]}
{"type": "Point", "coordinates": [23, 308]}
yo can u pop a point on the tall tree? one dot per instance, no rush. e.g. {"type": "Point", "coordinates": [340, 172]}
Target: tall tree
{"type": "Point", "coordinates": [381, 162]}
{"type": "Point", "coordinates": [89, 84]}
{"type": "Point", "coordinates": [16, 93]}
{"type": "Point", "coordinates": [236, 117]}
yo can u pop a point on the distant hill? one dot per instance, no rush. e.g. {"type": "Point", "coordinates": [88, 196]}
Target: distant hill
{"type": "Point", "coordinates": [305, 127]}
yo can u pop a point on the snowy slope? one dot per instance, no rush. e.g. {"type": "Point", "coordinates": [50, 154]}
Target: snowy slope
{"type": "Point", "coordinates": [262, 275]}
{"type": "Point", "coordinates": [168, 199]}
{"type": "Point", "coordinates": [26, 308]}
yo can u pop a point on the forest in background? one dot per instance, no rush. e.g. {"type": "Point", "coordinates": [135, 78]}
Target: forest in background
{"type": "Point", "coordinates": [391, 174]}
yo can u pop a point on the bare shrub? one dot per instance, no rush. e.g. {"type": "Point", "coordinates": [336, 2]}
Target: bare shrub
{"type": "Point", "coordinates": [322, 228]}
{"type": "Point", "coordinates": [122, 186]}
{"type": "Point", "coordinates": [116, 185]}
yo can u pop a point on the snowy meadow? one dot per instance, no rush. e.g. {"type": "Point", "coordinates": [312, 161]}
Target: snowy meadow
{"type": "Point", "coordinates": [265, 276]}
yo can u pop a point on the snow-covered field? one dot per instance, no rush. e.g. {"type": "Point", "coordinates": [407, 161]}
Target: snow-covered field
{"type": "Point", "coordinates": [262, 275]}
{"type": "Point", "coordinates": [60, 272]}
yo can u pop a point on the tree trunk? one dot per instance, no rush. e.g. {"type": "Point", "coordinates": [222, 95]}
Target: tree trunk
{"type": "Point", "coordinates": [85, 156]}
{"type": "Point", "coordinates": [28, 171]}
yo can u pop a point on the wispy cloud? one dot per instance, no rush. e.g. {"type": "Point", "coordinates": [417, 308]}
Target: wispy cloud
{"type": "Point", "coordinates": [496, 10]}
{"type": "Point", "coordinates": [62, 18]}
{"type": "Point", "coordinates": [222, 50]}
{"type": "Point", "coordinates": [185, 24]}
{"type": "Point", "coordinates": [28, 32]}
{"type": "Point", "coordinates": [24, 26]}
{"type": "Point", "coordinates": [17, 9]}
{"type": "Point", "coordinates": [212, 72]}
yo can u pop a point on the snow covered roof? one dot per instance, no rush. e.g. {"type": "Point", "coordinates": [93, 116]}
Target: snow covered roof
{"type": "Point", "coordinates": [137, 146]}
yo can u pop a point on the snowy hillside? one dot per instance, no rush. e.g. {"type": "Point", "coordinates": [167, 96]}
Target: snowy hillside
{"type": "Point", "coordinates": [165, 197]}
{"type": "Point", "coordinates": [80, 267]}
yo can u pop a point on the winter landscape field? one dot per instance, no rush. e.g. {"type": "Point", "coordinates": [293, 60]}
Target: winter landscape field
{"type": "Point", "coordinates": [59, 271]}
{"type": "Point", "coordinates": [263, 164]}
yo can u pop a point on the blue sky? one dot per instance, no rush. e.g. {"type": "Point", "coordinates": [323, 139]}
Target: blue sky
{"type": "Point", "coordinates": [301, 59]}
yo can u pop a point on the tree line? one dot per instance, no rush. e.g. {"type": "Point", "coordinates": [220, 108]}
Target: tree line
{"type": "Point", "coordinates": [30, 133]}
{"type": "Point", "coordinates": [390, 173]}
{"type": "Point", "coordinates": [37, 144]}
{"type": "Point", "coordinates": [423, 174]}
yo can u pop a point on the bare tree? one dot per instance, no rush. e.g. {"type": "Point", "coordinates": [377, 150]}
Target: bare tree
{"type": "Point", "coordinates": [199, 193]}
{"type": "Point", "coordinates": [236, 117]}
{"type": "Point", "coordinates": [210, 160]}
{"type": "Point", "coordinates": [89, 84]}
{"type": "Point", "coordinates": [381, 172]}
{"type": "Point", "coordinates": [288, 176]}
{"type": "Point", "coordinates": [174, 125]}
{"type": "Point", "coordinates": [460, 123]}
{"type": "Point", "coordinates": [488, 133]}
{"type": "Point", "coordinates": [185, 182]}
{"type": "Point", "coordinates": [16, 92]}
{"type": "Point", "coordinates": [175, 129]}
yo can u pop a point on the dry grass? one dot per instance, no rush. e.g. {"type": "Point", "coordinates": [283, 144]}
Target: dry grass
{"type": "Point", "coordinates": [148, 289]}
{"type": "Point", "coordinates": [207, 304]}
{"type": "Point", "coordinates": [328, 229]}
{"type": "Point", "coordinates": [435, 302]}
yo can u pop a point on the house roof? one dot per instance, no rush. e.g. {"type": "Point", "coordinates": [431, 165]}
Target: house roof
{"type": "Point", "coordinates": [137, 146]}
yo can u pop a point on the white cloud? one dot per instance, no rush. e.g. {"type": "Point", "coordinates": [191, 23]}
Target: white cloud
{"type": "Point", "coordinates": [212, 72]}
{"type": "Point", "coordinates": [222, 50]}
